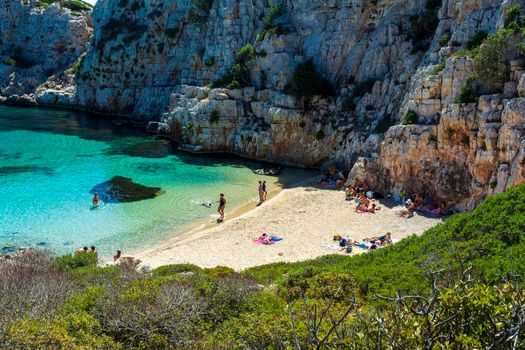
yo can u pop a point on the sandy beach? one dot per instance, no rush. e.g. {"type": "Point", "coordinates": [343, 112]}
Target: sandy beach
{"type": "Point", "coordinates": [305, 216]}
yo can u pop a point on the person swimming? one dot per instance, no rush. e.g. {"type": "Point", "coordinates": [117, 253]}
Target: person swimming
{"type": "Point", "coordinates": [96, 200]}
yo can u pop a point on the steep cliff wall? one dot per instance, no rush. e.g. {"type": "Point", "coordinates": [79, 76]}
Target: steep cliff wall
{"type": "Point", "coordinates": [37, 44]}
{"type": "Point", "coordinates": [230, 76]}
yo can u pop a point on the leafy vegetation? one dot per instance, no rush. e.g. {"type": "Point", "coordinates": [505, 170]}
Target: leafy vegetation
{"type": "Point", "coordinates": [491, 58]}
{"type": "Point", "coordinates": [410, 118]}
{"type": "Point", "coordinates": [459, 285]}
{"type": "Point", "coordinates": [467, 94]}
{"type": "Point", "coordinates": [73, 5]}
{"type": "Point", "coordinates": [208, 62]}
{"type": "Point", "coordinates": [239, 74]}
{"type": "Point", "coordinates": [444, 39]}
{"type": "Point", "coordinates": [268, 20]}
{"type": "Point", "coordinates": [437, 68]}
{"type": "Point", "coordinates": [476, 40]}
{"type": "Point", "coordinates": [307, 82]}
{"type": "Point", "coordinates": [77, 66]}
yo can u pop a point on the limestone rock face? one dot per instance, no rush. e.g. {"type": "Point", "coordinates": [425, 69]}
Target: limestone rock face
{"type": "Point", "coordinates": [237, 121]}
{"type": "Point", "coordinates": [155, 61]}
{"type": "Point", "coordinates": [37, 44]}
{"type": "Point", "coordinates": [469, 150]}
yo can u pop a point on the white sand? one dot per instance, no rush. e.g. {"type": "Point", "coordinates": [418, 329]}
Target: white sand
{"type": "Point", "coordinates": [305, 217]}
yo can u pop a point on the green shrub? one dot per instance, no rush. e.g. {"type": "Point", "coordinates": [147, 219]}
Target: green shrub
{"type": "Point", "coordinates": [78, 5]}
{"type": "Point", "coordinates": [71, 262]}
{"type": "Point", "coordinates": [437, 68]}
{"type": "Point", "coordinates": [410, 118]}
{"type": "Point", "coordinates": [476, 40]}
{"type": "Point", "coordinates": [77, 66]}
{"type": "Point", "coordinates": [233, 85]}
{"type": "Point", "coordinates": [444, 39]}
{"type": "Point", "coordinates": [513, 17]}
{"type": "Point", "coordinates": [490, 62]}
{"type": "Point", "coordinates": [273, 13]}
{"type": "Point", "coordinates": [245, 55]}
{"type": "Point", "coordinates": [320, 135]}
{"type": "Point", "coordinates": [307, 82]}
{"type": "Point", "coordinates": [467, 94]}
{"type": "Point", "coordinates": [170, 270]}
{"type": "Point", "coordinates": [214, 117]}
{"type": "Point", "coordinates": [364, 87]}
{"type": "Point", "coordinates": [208, 62]}
{"type": "Point", "coordinates": [9, 61]}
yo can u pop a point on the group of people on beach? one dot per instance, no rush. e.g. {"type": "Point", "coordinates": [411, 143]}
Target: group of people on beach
{"type": "Point", "coordinates": [371, 243]}
{"type": "Point", "coordinates": [94, 252]}
{"type": "Point", "coordinates": [263, 192]}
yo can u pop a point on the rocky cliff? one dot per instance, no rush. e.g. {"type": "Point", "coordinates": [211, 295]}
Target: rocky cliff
{"type": "Point", "coordinates": [234, 76]}
{"type": "Point", "coordinates": [37, 45]}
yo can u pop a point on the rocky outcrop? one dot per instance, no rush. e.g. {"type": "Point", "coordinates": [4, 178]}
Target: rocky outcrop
{"type": "Point", "coordinates": [157, 60]}
{"type": "Point", "coordinates": [38, 44]}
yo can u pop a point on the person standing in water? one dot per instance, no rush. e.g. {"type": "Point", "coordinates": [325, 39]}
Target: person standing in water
{"type": "Point", "coordinates": [96, 200]}
{"type": "Point", "coordinates": [264, 191]}
{"type": "Point", "coordinates": [222, 206]}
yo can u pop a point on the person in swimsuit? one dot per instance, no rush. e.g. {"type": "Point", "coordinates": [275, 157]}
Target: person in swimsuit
{"type": "Point", "coordinates": [260, 193]}
{"type": "Point", "coordinates": [96, 200]}
{"type": "Point", "coordinates": [117, 256]}
{"type": "Point", "coordinates": [222, 205]}
{"type": "Point", "coordinates": [264, 190]}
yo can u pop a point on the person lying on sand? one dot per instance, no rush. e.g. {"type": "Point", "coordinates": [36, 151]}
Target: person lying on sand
{"type": "Point", "coordinates": [386, 238]}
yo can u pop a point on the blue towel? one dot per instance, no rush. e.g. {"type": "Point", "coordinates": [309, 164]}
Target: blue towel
{"type": "Point", "coordinates": [276, 239]}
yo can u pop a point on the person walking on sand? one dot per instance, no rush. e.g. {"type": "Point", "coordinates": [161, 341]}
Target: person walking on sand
{"type": "Point", "coordinates": [261, 193]}
{"type": "Point", "coordinates": [264, 192]}
{"type": "Point", "coordinates": [222, 206]}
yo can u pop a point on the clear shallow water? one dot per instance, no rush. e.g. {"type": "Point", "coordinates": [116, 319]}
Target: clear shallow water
{"type": "Point", "coordinates": [50, 160]}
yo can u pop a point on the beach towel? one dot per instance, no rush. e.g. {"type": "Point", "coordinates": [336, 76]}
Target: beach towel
{"type": "Point", "coordinates": [276, 239]}
{"type": "Point", "coordinates": [260, 240]}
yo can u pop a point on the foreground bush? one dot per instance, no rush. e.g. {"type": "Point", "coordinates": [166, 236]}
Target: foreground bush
{"type": "Point", "coordinates": [459, 286]}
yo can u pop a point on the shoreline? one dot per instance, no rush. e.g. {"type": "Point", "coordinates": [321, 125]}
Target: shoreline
{"type": "Point", "coordinates": [289, 179]}
{"type": "Point", "coordinates": [305, 216]}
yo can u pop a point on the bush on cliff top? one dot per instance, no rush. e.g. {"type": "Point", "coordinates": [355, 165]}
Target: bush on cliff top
{"type": "Point", "coordinates": [466, 277]}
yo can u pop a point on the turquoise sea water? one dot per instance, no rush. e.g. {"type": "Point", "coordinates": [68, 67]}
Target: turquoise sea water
{"type": "Point", "coordinates": [50, 160]}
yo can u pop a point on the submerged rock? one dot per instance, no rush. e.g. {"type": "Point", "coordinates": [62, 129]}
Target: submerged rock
{"type": "Point", "coordinates": [268, 171]}
{"type": "Point", "coordinates": [9, 170]}
{"type": "Point", "coordinates": [147, 149]}
{"type": "Point", "coordinates": [123, 189]}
